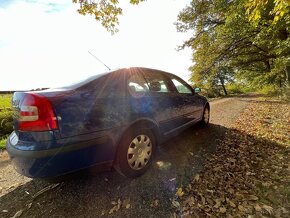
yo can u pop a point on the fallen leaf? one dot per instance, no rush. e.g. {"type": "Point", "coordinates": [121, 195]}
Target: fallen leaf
{"type": "Point", "coordinates": [269, 209]}
{"type": "Point", "coordinates": [18, 214]}
{"type": "Point", "coordinates": [173, 215]}
{"type": "Point", "coordinates": [29, 205]}
{"type": "Point", "coordinates": [252, 198]}
{"type": "Point", "coordinates": [175, 203]}
{"type": "Point", "coordinates": [217, 203]}
{"type": "Point", "coordinates": [232, 204]}
{"type": "Point", "coordinates": [126, 203]}
{"type": "Point", "coordinates": [223, 209]}
{"type": "Point", "coordinates": [210, 191]}
{"type": "Point", "coordinates": [114, 209]}
{"type": "Point", "coordinates": [189, 201]}
{"type": "Point", "coordinates": [47, 188]}
{"type": "Point", "coordinates": [257, 207]}
{"type": "Point", "coordinates": [196, 177]}
{"type": "Point", "coordinates": [241, 208]}
{"type": "Point", "coordinates": [179, 192]}
{"type": "Point", "coordinates": [156, 203]}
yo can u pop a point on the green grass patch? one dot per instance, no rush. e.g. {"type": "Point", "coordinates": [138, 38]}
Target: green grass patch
{"type": "Point", "coordinates": [6, 118]}
{"type": "Point", "coordinates": [3, 143]}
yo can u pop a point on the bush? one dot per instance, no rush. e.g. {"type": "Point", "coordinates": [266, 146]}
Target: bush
{"type": "Point", "coordinates": [6, 117]}
{"type": "Point", "coordinates": [6, 122]}
{"type": "Point", "coordinates": [5, 101]}
{"type": "Point", "coordinates": [285, 94]}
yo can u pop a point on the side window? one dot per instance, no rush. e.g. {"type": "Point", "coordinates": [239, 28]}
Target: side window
{"type": "Point", "coordinates": [158, 83]}
{"type": "Point", "coordinates": [181, 88]}
{"type": "Point", "coordinates": [137, 84]}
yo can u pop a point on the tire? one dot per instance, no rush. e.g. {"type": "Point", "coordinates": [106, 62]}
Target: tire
{"type": "Point", "coordinates": [135, 152]}
{"type": "Point", "coordinates": [205, 116]}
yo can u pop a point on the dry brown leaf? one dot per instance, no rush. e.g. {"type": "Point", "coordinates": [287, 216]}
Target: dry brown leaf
{"type": "Point", "coordinates": [155, 203]}
{"type": "Point", "coordinates": [189, 201]}
{"type": "Point", "coordinates": [232, 204]}
{"type": "Point", "coordinates": [257, 207]}
{"type": "Point", "coordinates": [126, 203]}
{"type": "Point", "coordinates": [241, 208]}
{"type": "Point", "coordinates": [218, 203]}
{"type": "Point", "coordinates": [175, 203]}
{"type": "Point", "coordinates": [196, 177]}
{"type": "Point", "coordinates": [113, 209]}
{"type": "Point", "coordinates": [269, 209]}
{"type": "Point", "coordinates": [18, 214]}
{"type": "Point", "coordinates": [252, 198]}
{"type": "Point", "coordinates": [223, 209]}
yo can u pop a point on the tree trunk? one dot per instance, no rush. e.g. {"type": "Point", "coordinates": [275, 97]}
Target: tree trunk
{"type": "Point", "coordinates": [268, 66]}
{"type": "Point", "coordinates": [224, 88]}
{"type": "Point", "coordinates": [223, 85]}
{"type": "Point", "coordinates": [288, 76]}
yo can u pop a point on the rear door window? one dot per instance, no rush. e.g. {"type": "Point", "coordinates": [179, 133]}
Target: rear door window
{"type": "Point", "coordinates": [137, 85]}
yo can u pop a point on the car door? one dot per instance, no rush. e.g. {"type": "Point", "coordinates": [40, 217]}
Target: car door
{"type": "Point", "coordinates": [192, 104]}
{"type": "Point", "coordinates": [167, 108]}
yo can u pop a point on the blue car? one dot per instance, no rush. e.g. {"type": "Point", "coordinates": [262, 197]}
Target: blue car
{"type": "Point", "coordinates": [113, 119]}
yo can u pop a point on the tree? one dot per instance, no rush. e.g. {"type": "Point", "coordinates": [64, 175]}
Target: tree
{"type": "Point", "coordinates": [278, 9]}
{"type": "Point", "coordinates": [105, 11]}
{"type": "Point", "coordinates": [223, 35]}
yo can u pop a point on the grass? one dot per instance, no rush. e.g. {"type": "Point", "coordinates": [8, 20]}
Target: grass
{"type": "Point", "coordinates": [5, 118]}
{"type": "Point", "coordinates": [5, 101]}
{"type": "Point", "coordinates": [2, 143]}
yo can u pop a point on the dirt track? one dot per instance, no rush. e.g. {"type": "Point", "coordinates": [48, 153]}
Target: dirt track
{"type": "Point", "coordinates": [147, 196]}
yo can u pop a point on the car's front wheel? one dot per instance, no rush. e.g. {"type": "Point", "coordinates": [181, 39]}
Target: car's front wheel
{"type": "Point", "coordinates": [135, 152]}
{"type": "Point", "coordinates": [205, 116]}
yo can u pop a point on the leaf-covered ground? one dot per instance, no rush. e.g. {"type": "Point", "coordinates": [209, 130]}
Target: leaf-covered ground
{"type": "Point", "coordinates": [249, 173]}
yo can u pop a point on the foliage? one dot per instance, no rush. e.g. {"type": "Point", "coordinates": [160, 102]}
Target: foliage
{"type": "Point", "coordinates": [223, 37]}
{"type": "Point", "coordinates": [247, 175]}
{"type": "Point", "coordinates": [5, 101]}
{"type": "Point", "coordinates": [2, 143]}
{"type": "Point", "coordinates": [6, 121]}
{"type": "Point", "coordinates": [6, 118]}
{"type": "Point", "coordinates": [105, 11]}
{"type": "Point", "coordinates": [278, 9]}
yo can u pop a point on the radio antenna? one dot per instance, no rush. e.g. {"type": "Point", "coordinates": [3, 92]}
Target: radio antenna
{"type": "Point", "coordinates": [99, 60]}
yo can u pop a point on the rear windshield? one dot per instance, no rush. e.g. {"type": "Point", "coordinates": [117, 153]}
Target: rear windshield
{"type": "Point", "coordinates": [77, 84]}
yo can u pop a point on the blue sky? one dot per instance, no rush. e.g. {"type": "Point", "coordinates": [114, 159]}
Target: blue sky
{"type": "Point", "coordinates": [45, 43]}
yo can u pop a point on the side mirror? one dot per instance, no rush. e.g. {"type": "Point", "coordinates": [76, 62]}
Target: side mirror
{"type": "Point", "coordinates": [197, 90]}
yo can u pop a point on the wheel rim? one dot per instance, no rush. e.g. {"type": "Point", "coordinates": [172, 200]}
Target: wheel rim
{"type": "Point", "coordinates": [139, 152]}
{"type": "Point", "coordinates": [206, 115]}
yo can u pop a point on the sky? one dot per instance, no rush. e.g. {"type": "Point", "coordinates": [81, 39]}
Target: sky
{"type": "Point", "coordinates": [45, 43]}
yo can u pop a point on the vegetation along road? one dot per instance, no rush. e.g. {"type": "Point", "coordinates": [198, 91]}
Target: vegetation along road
{"type": "Point", "coordinates": [236, 166]}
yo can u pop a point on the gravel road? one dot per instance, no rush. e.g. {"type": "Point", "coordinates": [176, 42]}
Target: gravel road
{"type": "Point", "coordinates": [108, 194]}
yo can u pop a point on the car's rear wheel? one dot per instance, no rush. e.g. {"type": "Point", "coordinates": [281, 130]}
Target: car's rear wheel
{"type": "Point", "coordinates": [135, 152]}
{"type": "Point", "coordinates": [205, 116]}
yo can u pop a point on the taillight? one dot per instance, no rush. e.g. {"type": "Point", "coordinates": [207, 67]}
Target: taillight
{"type": "Point", "coordinates": [36, 114]}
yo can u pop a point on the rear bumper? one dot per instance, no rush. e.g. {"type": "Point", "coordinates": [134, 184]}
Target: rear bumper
{"type": "Point", "coordinates": [55, 162]}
